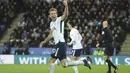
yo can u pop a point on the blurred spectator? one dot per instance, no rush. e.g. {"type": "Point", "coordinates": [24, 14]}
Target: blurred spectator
{"type": "Point", "coordinates": [18, 51]}
{"type": "Point", "coordinates": [98, 51]}
{"type": "Point", "coordinates": [6, 48]}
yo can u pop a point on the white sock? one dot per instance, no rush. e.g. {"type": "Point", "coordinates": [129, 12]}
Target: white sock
{"type": "Point", "coordinates": [51, 68]}
{"type": "Point", "coordinates": [75, 69]}
{"type": "Point", "coordinates": [75, 63]}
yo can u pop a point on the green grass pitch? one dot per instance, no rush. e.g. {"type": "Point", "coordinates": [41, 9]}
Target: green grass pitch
{"type": "Point", "coordinates": [17, 68]}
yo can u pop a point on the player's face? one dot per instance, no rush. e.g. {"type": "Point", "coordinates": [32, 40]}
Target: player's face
{"type": "Point", "coordinates": [53, 15]}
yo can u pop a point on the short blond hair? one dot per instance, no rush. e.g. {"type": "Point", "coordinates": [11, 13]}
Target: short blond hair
{"type": "Point", "coordinates": [52, 9]}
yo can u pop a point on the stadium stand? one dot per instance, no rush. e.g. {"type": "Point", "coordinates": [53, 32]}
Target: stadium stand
{"type": "Point", "coordinates": [8, 11]}
{"type": "Point", "coordinates": [87, 15]}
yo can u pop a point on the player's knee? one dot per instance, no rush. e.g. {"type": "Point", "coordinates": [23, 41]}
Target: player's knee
{"type": "Point", "coordinates": [63, 65]}
{"type": "Point", "coordinates": [106, 58]}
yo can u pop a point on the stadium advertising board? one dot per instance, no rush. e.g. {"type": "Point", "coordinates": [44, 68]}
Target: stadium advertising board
{"type": "Point", "coordinates": [41, 59]}
{"type": "Point", "coordinates": [31, 59]}
{"type": "Point", "coordinates": [6, 59]}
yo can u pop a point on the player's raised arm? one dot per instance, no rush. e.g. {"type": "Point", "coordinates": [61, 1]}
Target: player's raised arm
{"type": "Point", "coordinates": [65, 14]}
{"type": "Point", "coordinates": [47, 39]}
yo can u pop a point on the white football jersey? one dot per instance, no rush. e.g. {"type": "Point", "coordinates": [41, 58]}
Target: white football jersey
{"type": "Point", "coordinates": [58, 30]}
{"type": "Point", "coordinates": [76, 39]}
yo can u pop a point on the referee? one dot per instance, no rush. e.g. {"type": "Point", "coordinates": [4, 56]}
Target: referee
{"type": "Point", "coordinates": [108, 39]}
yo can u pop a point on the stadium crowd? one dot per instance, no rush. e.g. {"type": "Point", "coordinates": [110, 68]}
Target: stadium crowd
{"type": "Point", "coordinates": [87, 15]}
{"type": "Point", "coordinates": [6, 15]}
{"type": "Point", "coordinates": [8, 11]}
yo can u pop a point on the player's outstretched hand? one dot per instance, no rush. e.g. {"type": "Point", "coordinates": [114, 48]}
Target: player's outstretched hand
{"type": "Point", "coordinates": [42, 43]}
{"type": "Point", "coordinates": [65, 2]}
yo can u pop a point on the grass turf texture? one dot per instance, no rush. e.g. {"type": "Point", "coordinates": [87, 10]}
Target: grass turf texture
{"type": "Point", "coordinates": [17, 68]}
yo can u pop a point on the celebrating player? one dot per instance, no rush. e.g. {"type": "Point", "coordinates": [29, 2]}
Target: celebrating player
{"type": "Point", "coordinates": [57, 32]}
{"type": "Point", "coordinates": [76, 39]}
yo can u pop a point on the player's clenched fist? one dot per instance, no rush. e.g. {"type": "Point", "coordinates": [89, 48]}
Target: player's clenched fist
{"type": "Point", "coordinates": [65, 2]}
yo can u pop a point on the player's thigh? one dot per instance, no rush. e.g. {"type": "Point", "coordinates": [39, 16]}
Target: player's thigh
{"type": "Point", "coordinates": [76, 52]}
{"type": "Point", "coordinates": [62, 53]}
{"type": "Point", "coordinates": [106, 57]}
{"type": "Point", "coordinates": [74, 58]}
{"type": "Point", "coordinates": [52, 60]}
{"type": "Point", "coordinates": [56, 51]}
{"type": "Point", "coordinates": [108, 52]}
{"type": "Point", "coordinates": [77, 58]}
{"type": "Point", "coordinates": [62, 59]}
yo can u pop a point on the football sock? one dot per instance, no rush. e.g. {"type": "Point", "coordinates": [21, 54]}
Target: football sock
{"type": "Point", "coordinates": [75, 69]}
{"type": "Point", "coordinates": [109, 62]}
{"type": "Point", "coordinates": [112, 65]}
{"type": "Point", "coordinates": [75, 63]}
{"type": "Point", "coordinates": [109, 65]}
{"type": "Point", "coordinates": [51, 68]}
